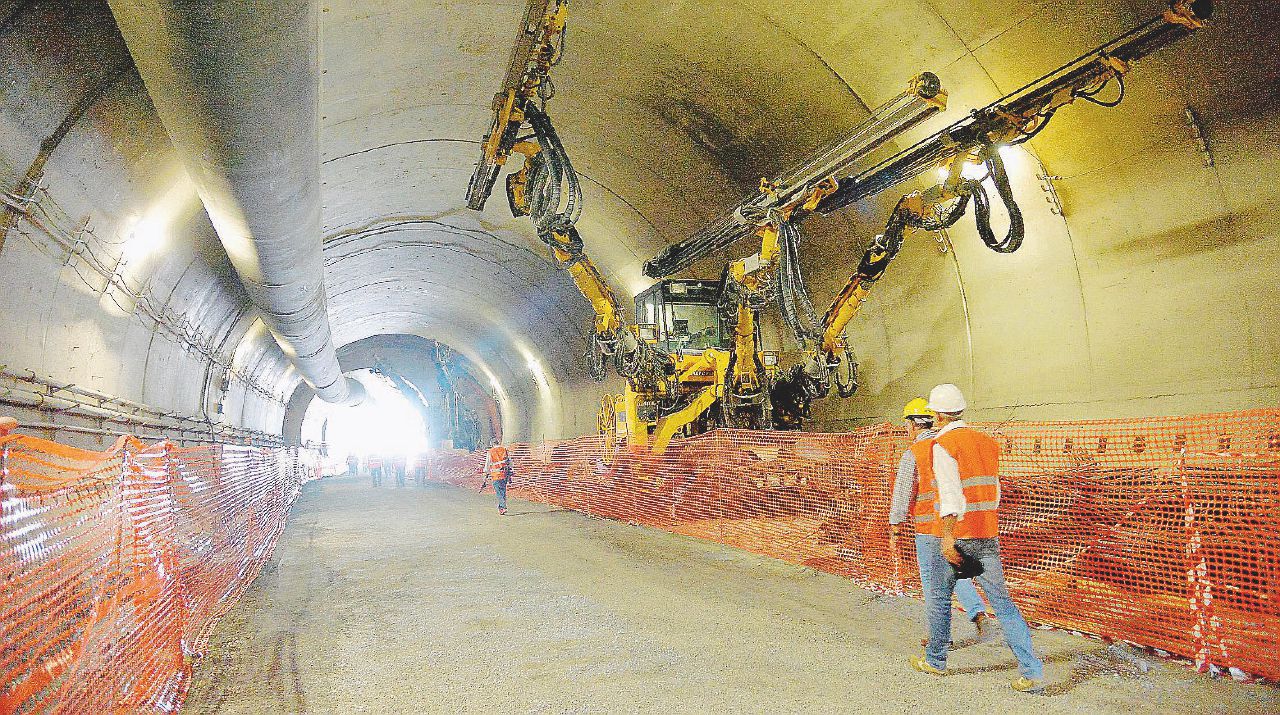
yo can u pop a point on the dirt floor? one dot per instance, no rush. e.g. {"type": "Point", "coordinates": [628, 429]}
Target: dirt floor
{"type": "Point", "coordinates": [424, 600]}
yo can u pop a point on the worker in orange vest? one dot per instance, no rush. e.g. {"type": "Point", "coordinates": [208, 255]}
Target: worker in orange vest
{"type": "Point", "coordinates": [960, 492]}
{"type": "Point", "coordinates": [497, 469]}
{"type": "Point", "coordinates": [910, 503]}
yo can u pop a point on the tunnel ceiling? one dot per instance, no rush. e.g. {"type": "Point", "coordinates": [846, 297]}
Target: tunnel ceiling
{"type": "Point", "coordinates": [672, 111]}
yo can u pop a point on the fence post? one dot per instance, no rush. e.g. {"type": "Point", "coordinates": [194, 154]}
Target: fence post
{"type": "Point", "coordinates": [1204, 630]}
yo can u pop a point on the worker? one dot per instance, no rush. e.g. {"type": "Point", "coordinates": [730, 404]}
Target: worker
{"type": "Point", "coordinates": [919, 419]}
{"type": "Point", "coordinates": [420, 468]}
{"type": "Point", "coordinates": [497, 469]}
{"type": "Point", "coordinates": [353, 465]}
{"type": "Point", "coordinates": [959, 481]}
{"type": "Point", "coordinates": [7, 425]}
{"type": "Point", "coordinates": [375, 468]}
{"type": "Point", "coordinates": [398, 465]}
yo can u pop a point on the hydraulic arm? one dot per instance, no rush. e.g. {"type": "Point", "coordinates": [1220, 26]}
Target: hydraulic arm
{"type": "Point", "coordinates": [546, 188]}
{"type": "Point", "coordinates": [751, 284]}
{"type": "Point", "coordinates": [793, 194]}
{"type": "Point", "coordinates": [970, 143]}
{"type": "Point", "coordinates": [1020, 115]}
{"type": "Point", "coordinates": [538, 47]}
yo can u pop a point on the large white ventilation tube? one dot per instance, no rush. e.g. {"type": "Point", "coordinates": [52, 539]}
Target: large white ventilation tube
{"type": "Point", "coordinates": [236, 84]}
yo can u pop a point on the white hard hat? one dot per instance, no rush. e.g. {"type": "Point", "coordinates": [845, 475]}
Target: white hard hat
{"type": "Point", "coordinates": [947, 398]}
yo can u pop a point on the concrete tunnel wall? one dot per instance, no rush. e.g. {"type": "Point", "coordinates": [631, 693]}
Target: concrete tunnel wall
{"type": "Point", "coordinates": [1151, 295]}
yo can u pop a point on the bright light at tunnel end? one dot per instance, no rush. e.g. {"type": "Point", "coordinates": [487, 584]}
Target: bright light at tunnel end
{"type": "Point", "coordinates": [386, 424]}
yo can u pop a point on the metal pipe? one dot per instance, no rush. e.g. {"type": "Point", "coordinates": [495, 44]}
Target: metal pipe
{"type": "Point", "coordinates": [236, 85]}
{"type": "Point", "coordinates": [53, 427]}
{"type": "Point", "coordinates": [48, 405]}
{"type": "Point", "coordinates": [63, 398]}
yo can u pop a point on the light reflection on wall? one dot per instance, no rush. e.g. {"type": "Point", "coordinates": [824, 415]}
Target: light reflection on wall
{"type": "Point", "coordinates": [506, 408]}
{"type": "Point", "coordinates": [145, 237]}
{"type": "Point", "coordinates": [547, 421]}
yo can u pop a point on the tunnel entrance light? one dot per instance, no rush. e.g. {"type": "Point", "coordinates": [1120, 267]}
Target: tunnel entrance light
{"type": "Point", "coordinates": [386, 424]}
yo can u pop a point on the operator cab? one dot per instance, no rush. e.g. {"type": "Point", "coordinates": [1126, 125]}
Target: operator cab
{"type": "Point", "coordinates": [680, 316]}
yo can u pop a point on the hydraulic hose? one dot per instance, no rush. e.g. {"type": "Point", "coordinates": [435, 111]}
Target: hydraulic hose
{"type": "Point", "coordinates": [793, 293]}
{"type": "Point", "coordinates": [1012, 240]}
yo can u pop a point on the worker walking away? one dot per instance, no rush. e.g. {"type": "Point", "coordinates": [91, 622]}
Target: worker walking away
{"type": "Point", "coordinates": [398, 463]}
{"type": "Point", "coordinates": [420, 469]}
{"type": "Point", "coordinates": [497, 469]}
{"type": "Point", "coordinates": [375, 469]}
{"type": "Point", "coordinates": [908, 501]}
{"type": "Point", "coordinates": [961, 467]}
{"type": "Point", "coordinates": [353, 465]}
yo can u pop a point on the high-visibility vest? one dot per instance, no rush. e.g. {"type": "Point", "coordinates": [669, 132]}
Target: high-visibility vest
{"type": "Point", "coordinates": [979, 458]}
{"type": "Point", "coordinates": [925, 509]}
{"type": "Point", "coordinates": [499, 460]}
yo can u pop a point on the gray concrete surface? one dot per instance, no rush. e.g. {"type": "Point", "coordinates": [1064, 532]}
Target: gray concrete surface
{"type": "Point", "coordinates": [425, 600]}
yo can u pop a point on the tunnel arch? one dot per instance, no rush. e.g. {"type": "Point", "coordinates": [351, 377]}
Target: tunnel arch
{"type": "Point", "coordinates": [1139, 298]}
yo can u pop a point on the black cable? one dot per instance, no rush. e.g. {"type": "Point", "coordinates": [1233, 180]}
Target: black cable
{"type": "Point", "coordinates": [1044, 122]}
{"type": "Point", "coordinates": [794, 301]}
{"type": "Point", "coordinates": [846, 387]}
{"type": "Point", "coordinates": [1012, 240]}
{"type": "Point", "coordinates": [1089, 96]}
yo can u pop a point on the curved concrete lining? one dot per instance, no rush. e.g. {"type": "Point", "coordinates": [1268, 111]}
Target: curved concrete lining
{"type": "Point", "coordinates": [1144, 297]}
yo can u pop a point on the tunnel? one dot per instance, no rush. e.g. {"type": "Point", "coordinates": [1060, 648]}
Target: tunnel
{"type": "Point", "coordinates": [289, 286]}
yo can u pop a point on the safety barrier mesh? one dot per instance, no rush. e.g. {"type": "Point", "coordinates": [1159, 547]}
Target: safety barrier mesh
{"type": "Point", "coordinates": [117, 564]}
{"type": "Point", "coordinates": [1161, 532]}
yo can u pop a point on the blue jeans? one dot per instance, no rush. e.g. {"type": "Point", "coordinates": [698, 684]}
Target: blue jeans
{"type": "Point", "coordinates": [937, 599]}
{"type": "Point", "coordinates": [966, 594]}
{"type": "Point", "coordinates": [500, 487]}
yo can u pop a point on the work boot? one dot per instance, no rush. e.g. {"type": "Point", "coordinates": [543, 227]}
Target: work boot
{"type": "Point", "coordinates": [919, 663]}
{"type": "Point", "coordinates": [982, 623]}
{"type": "Point", "coordinates": [1027, 685]}
{"type": "Point", "coordinates": [501, 511]}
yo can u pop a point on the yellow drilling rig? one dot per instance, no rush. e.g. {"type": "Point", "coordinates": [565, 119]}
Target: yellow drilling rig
{"type": "Point", "coordinates": [967, 154]}
{"type": "Point", "coordinates": [692, 356]}
{"type": "Point", "coordinates": [690, 350]}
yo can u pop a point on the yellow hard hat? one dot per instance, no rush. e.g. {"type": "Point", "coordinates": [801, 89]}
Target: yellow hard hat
{"type": "Point", "coordinates": [918, 407]}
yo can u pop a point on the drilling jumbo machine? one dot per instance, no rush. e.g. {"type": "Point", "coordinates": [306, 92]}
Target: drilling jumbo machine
{"type": "Point", "coordinates": [691, 358]}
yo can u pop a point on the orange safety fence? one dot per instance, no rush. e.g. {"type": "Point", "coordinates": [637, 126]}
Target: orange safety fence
{"type": "Point", "coordinates": [117, 564]}
{"type": "Point", "coordinates": [1162, 532]}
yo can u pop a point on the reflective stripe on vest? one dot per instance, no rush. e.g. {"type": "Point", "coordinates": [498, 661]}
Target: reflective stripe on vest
{"type": "Point", "coordinates": [498, 460]}
{"type": "Point", "coordinates": [978, 457]}
{"type": "Point", "coordinates": [925, 514]}
{"type": "Point", "coordinates": [925, 508]}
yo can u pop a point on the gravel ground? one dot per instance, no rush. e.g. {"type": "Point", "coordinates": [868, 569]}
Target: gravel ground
{"type": "Point", "coordinates": [424, 600]}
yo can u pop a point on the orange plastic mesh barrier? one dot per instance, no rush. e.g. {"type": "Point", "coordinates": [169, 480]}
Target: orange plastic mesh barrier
{"type": "Point", "coordinates": [116, 565]}
{"type": "Point", "coordinates": [1161, 532]}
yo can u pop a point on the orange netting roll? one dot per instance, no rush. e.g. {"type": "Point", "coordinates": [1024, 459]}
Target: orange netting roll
{"type": "Point", "coordinates": [116, 565]}
{"type": "Point", "coordinates": [1161, 532]}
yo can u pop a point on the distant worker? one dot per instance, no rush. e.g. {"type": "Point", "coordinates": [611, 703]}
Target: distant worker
{"type": "Point", "coordinates": [375, 469]}
{"type": "Point", "coordinates": [353, 465]}
{"type": "Point", "coordinates": [907, 500]}
{"type": "Point", "coordinates": [420, 468]}
{"type": "Point", "coordinates": [398, 466]}
{"type": "Point", "coordinates": [497, 469]}
{"type": "Point", "coordinates": [7, 425]}
{"type": "Point", "coordinates": [961, 466]}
